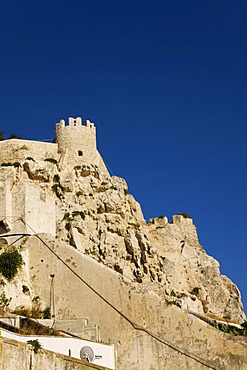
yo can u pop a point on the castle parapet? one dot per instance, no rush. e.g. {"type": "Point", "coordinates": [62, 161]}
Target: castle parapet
{"type": "Point", "coordinates": [75, 122]}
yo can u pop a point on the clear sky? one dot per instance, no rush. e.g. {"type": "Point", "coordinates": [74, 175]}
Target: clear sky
{"type": "Point", "coordinates": [165, 82]}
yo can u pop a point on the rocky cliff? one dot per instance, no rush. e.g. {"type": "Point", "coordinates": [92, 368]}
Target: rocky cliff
{"type": "Point", "coordinates": [95, 214]}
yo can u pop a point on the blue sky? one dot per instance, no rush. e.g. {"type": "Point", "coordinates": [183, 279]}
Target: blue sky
{"type": "Point", "coordinates": [165, 82]}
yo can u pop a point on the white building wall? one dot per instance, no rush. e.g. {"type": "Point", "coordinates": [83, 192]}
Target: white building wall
{"type": "Point", "coordinates": [70, 346]}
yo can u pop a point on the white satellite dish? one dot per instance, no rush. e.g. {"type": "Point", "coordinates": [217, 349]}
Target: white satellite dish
{"type": "Point", "coordinates": [86, 353]}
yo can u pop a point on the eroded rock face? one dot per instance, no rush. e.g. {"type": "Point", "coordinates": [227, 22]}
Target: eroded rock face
{"type": "Point", "coordinates": [96, 214]}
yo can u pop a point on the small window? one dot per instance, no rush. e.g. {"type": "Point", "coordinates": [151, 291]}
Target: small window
{"type": "Point", "coordinates": [80, 153]}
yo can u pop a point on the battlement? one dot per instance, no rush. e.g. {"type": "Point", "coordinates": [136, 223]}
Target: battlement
{"type": "Point", "coordinates": [75, 122]}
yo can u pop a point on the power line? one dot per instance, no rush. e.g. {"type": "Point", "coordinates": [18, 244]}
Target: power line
{"type": "Point", "coordinates": [132, 323]}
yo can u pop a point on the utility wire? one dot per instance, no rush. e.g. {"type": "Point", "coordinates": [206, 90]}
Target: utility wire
{"type": "Point", "coordinates": [132, 323]}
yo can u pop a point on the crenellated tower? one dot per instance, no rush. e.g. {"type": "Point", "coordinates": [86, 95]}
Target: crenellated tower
{"type": "Point", "coordinates": [77, 142]}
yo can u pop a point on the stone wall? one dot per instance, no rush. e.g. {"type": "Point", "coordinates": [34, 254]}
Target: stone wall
{"type": "Point", "coordinates": [17, 150]}
{"type": "Point", "coordinates": [39, 208]}
{"type": "Point", "coordinates": [20, 356]}
{"type": "Point", "coordinates": [77, 143]}
{"type": "Point", "coordinates": [25, 201]}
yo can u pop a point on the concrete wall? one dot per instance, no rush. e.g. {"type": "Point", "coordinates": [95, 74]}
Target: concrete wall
{"type": "Point", "coordinates": [165, 337]}
{"type": "Point", "coordinates": [20, 356]}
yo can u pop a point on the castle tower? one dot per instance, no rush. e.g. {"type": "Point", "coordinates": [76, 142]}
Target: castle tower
{"type": "Point", "coordinates": [77, 142]}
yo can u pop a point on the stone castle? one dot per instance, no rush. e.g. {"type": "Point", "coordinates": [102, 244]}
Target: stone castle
{"type": "Point", "coordinates": [150, 287]}
{"type": "Point", "coordinates": [75, 145]}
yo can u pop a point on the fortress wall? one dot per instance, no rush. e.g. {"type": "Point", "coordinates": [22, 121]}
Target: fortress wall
{"type": "Point", "coordinates": [6, 183]}
{"type": "Point", "coordinates": [76, 145]}
{"type": "Point", "coordinates": [137, 350]}
{"type": "Point", "coordinates": [16, 150]}
{"type": "Point", "coordinates": [30, 203]}
{"type": "Point", "coordinates": [5, 201]}
{"type": "Point", "coordinates": [101, 165]}
{"type": "Point", "coordinates": [40, 211]}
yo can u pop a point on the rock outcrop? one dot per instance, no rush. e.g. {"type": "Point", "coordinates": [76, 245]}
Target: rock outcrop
{"type": "Point", "coordinates": [95, 214]}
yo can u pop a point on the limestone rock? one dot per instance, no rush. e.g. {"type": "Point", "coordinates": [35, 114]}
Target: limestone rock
{"type": "Point", "coordinates": [93, 212]}
{"type": "Point", "coordinates": [96, 215]}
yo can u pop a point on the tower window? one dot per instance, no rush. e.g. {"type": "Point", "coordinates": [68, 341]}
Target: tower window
{"type": "Point", "coordinates": [80, 153]}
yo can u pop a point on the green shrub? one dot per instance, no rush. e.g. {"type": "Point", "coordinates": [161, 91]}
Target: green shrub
{"type": "Point", "coordinates": [230, 329]}
{"type": "Point", "coordinates": [36, 299]}
{"type": "Point", "coordinates": [70, 217]}
{"type": "Point", "coordinates": [77, 167]}
{"type": "Point", "coordinates": [4, 301]}
{"type": "Point", "coordinates": [126, 191]}
{"type": "Point", "coordinates": [184, 214]}
{"type": "Point", "coordinates": [58, 189]}
{"type": "Point", "coordinates": [170, 303]}
{"type": "Point", "coordinates": [78, 213]}
{"type": "Point", "coordinates": [56, 178]}
{"type": "Point", "coordinates": [79, 193]}
{"type": "Point", "coordinates": [47, 313]}
{"type": "Point", "coordinates": [10, 262]}
{"type": "Point", "coordinates": [14, 136]}
{"type": "Point", "coordinates": [35, 344]}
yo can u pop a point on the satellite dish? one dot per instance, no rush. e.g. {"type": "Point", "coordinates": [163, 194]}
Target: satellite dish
{"type": "Point", "coordinates": [86, 353]}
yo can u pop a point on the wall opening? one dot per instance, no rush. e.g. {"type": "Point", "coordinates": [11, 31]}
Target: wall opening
{"type": "Point", "coordinates": [80, 153]}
